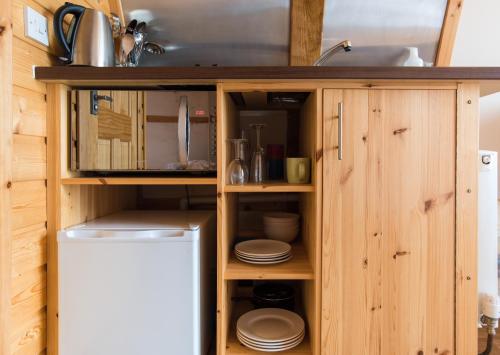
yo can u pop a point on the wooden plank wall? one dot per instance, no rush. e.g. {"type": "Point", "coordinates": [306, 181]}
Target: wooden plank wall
{"type": "Point", "coordinates": [28, 300]}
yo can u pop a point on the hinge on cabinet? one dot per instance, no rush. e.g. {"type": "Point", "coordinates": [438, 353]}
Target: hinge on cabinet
{"type": "Point", "coordinates": [94, 101]}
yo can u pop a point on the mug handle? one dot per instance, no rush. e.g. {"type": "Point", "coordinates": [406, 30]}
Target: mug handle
{"type": "Point", "coordinates": [302, 171]}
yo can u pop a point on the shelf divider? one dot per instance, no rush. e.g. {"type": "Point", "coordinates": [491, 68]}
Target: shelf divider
{"type": "Point", "coordinates": [297, 268]}
{"type": "Point", "coordinates": [270, 187]}
{"type": "Point", "coordinates": [139, 181]}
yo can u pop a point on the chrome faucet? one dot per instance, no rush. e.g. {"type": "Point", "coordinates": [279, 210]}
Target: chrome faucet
{"type": "Point", "coordinates": [345, 45]}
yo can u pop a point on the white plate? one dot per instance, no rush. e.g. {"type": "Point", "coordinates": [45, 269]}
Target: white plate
{"type": "Point", "coordinates": [271, 262]}
{"type": "Point", "coordinates": [271, 349]}
{"type": "Point", "coordinates": [261, 257]}
{"type": "Point", "coordinates": [241, 337]}
{"type": "Point", "coordinates": [270, 325]}
{"type": "Point", "coordinates": [266, 346]}
{"type": "Point", "coordinates": [263, 247]}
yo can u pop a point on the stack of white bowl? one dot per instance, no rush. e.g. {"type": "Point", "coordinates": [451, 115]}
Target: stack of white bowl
{"type": "Point", "coordinates": [281, 226]}
{"type": "Point", "coordinates": [270, 329]}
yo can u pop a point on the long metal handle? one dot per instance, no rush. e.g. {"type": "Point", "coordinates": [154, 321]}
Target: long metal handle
{"type": "Point", "coordinates": [341, 114]}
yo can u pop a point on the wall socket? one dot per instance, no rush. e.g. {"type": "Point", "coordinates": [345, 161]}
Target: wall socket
{"type": "Point", "coordinates": [36, 26]}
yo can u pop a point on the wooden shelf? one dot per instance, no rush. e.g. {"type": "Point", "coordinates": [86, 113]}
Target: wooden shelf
{"type": "Point", "coordinates": [139, 181]}
{"type": "Point", "coordinates": [270, 187]}
{"type": "Point", "coordinates": [298, 268]}
{"type": "Point", "coordinates": [234, 347]}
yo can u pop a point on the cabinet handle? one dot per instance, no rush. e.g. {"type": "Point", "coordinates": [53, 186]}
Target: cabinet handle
{"type": "Point", "coordinates": [341, 114]}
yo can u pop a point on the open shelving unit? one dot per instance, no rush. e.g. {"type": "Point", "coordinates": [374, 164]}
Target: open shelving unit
{"type": "Point", "coordinates": [304, 267]}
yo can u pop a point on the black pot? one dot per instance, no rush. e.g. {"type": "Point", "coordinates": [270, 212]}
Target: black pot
{"type": "Point", "coordinates": [274, 295]}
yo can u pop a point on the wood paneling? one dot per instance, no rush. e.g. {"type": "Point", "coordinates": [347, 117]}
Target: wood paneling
{"type": "Point", "coordinates": [29, 110]}
{"type": "Point", "coordinates": [26, 56]}
{"type": "Point", "coordinates": [28, 203]}
{"type": "Point", "coordinates": [27, 328]}
{"type": "Point", "coordinates": [30, 337]}
{"type": "Point", "coordinates": [389, 224]}
{"type": "Point", "coordinates": [306, 31]}
{"type": "Point", "coordinates": [6, 61]}
{"type": "Point", "coordinates": [466, 218]}
{"type": "Point", "coordinates": [29, 249]}
{"type": "Point", "coordinates": [448, 33]}
{"type": "Point", "coordinates": [29, 158]}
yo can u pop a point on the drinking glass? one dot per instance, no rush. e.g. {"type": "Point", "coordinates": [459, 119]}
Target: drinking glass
{"type": "Point", "coordinates": [237, 171]}
{"type": "Point", "coordinates": [258, 165]}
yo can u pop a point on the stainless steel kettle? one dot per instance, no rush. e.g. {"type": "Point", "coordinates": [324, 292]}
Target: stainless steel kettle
{"type": "Point", "coordinates": [89, 39]}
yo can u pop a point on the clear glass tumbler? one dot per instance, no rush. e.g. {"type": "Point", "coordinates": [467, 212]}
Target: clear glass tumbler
{"type": "Point", "coordinates": [258, 165]}
{"type": "Point", "coordinates": [237, 171]}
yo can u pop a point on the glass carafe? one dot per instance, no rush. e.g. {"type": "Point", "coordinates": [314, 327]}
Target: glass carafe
{"type": "Point", "coordinates": [237, 171]}
{"type": "Point", "coordinates": [258, 165]}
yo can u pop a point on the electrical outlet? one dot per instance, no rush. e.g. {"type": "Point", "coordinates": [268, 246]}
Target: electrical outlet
{"type": "Point", "coordinates": [36, 26]}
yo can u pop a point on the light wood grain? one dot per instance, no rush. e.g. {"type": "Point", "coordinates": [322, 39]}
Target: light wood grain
{"type": "Point", "coordinates": [56, 161]}
{"type": "Point", "coordinates": [270, 187]}
{"type": "Point", "coordinates": [115, 7]}
{"type": "Point", "coordinates": [227, 206]}
{"type": "Point", "coordinates": [448, 33]}
{"type": "Point", "coordinates": [6, 67]}
{"type": "Point", "coordinates": [31, 336]}
{"type": "Point", "coordinates": [306, 31]}
{"type": "Point", "coordinates": [388, 231]}
{"type": "Point", "coordinates": [29, 249]}
{"type": "Point", "coordinates": [103, 154]}
{"type": "Point", "coordinates": [310, 207]}
{"type": "Point", "coordinates": [29, 158]}
{"type": "Point", "coordinates": [87, 132]}
{"type": "Point", "coordinates": [26, 56]}
{"type": "Point", "coordinates": [29, 110]}
{"type": "Point", "coordinates": [466, 218]}
{"type": "Point", "coordinates": [28, 326]}
{"type": "Point", "coordinates": [141, 130]}
{"type": "Point", "coordinates": [138, 181]}
{"type": "Point", "coordinates": [19, 25]}
{"type": "Point", "coordinates": [114, 125]}
{"type": "Point", "coordinates": [28, 203]}
{"type": "Point", "coordinates": [298, 268]}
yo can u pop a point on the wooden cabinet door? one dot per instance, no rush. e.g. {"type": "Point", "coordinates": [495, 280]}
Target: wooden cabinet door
{"type": "Point", "coordinates": [111, 138]}
{"type": "Point", "coordinates": [388, 254]}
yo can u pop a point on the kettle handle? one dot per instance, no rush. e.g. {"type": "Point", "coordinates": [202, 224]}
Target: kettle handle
{"type": "Point", "coordinates": [72, 9]}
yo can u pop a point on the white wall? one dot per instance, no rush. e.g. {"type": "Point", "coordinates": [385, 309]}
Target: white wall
{"type": "Point", "coordinates": [477, 44]}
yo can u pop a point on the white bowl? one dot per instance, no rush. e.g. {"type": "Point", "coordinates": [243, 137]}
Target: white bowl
{"type": "Point", "coordinates": [282, 234]}
{"type": "Point", "coordinates": [281, 217]}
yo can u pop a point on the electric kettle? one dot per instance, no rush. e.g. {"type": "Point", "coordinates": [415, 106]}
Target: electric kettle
{"type": "Point", "coordinates": [89, 39]}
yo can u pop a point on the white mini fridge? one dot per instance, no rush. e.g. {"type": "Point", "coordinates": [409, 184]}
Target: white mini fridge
{"type": "Point", "coordinates": [138, 283]}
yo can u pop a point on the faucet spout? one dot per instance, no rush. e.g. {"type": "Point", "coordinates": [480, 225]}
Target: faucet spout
{"type": "Point", "coordinates": [344, 45]}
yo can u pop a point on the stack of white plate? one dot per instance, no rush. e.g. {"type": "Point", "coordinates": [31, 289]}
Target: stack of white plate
{"type": "Point", "coordinates": [263, 251]}
{"type": "Point", "coordinates": [281, 226]}
{"type": "Point", "coordinates": [270, 329]}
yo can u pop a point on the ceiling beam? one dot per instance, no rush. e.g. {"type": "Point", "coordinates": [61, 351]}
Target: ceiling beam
{"type": "Point", "coordinates": [448, 33]}
{"type": "Point", "coordinates": [115, 7]}
{"type": "Point", "coordinates": [306, 31]}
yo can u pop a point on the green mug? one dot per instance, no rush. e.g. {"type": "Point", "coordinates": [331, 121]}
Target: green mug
{"type": "Point", "coordinates": [298, 170]}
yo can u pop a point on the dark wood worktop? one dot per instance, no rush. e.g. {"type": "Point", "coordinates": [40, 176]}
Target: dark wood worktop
{"type": "Point", "coordinates": [68, 73]}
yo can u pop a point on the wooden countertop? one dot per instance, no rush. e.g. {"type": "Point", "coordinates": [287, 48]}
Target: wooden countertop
{"type": "Point", "coordinates": [489, 77]}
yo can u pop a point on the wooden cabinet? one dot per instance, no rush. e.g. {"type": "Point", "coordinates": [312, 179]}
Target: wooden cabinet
{"type": "Point", "coordinates": [388, 248]}
{"type": "Point", "coordinates": [112, 137]}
